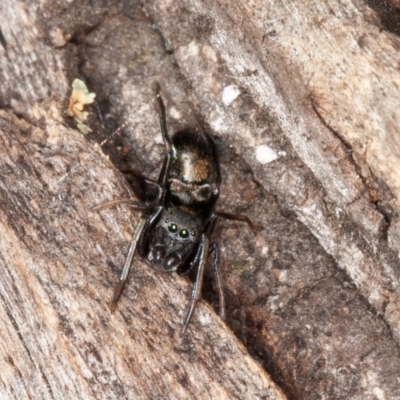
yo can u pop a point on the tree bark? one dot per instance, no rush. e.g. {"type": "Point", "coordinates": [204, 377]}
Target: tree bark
{"type": "Point", "coordinates": [303, 100]}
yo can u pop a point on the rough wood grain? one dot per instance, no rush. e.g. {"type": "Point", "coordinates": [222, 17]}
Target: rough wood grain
{"type": "Point", "coordinates": [315, 298]}
{"type": "Point", "coordinates": [59, 339]}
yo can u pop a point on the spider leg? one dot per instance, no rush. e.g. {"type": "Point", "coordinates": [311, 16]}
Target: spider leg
{"type": "Point", "coordinates": [162, 180]}
{"type": "Point", "coordinates": [141, 227]}
{"type": "Point", "coordinates": [128, 262]}
{"type": "Point", "coordinates": [128, 201]}
{"type": "Point", "coordinates": [196, 290]}
{"type": "Point", "coordinates": [218, 277]}
{"type": "Point", "coordinates": [137, 174]}
{"type": "Point", "coordinates": [144, 182]}
{"type": "Point", "coordinates": [242, 218]}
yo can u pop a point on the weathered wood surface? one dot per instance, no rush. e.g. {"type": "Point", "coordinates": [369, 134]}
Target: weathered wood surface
{"type": "Point", "coordinates": [59, 339]}
{"type": "Point", "coordinates": [315, 298]}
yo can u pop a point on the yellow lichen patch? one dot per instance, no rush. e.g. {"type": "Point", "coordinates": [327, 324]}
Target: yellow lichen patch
{"type": "Point", "coordinates": [79, 98]}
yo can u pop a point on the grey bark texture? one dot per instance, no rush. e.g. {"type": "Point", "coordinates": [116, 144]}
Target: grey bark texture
{"type": "Point", "coordinates": [303, 99]}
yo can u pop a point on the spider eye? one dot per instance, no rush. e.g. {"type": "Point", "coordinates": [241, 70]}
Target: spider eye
{"type": "Point", "coordinates": [172, 227]}
{"type": "Point", "coordinates": [184, 233]}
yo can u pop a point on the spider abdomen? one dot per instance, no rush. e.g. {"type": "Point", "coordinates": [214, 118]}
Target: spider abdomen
{"type": "Point", "coordinates": [194, 171]}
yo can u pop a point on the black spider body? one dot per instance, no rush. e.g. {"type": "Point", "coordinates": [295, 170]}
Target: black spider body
{"type": "Point", "coordinates": [192, 189]}
{"type": "Point", "coordinates": [174, 231]}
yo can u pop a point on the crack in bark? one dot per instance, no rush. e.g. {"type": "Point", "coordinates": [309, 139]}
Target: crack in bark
{"type": "Point", "coordinates": [348, 148]}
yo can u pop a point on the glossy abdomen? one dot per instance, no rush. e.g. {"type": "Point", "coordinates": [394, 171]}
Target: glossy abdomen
{"type": "Point", "coordinates": [194, 172]}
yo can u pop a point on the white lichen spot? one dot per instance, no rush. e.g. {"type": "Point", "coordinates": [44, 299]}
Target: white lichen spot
{"type": "Point", "coordinates": [265, 155]}
{"type": "Point", "coordinates": [174, 113]}
{"type": "Point", "coordinates": [230, 94]}
{"type": "Point", "coordinates": [79, 98]}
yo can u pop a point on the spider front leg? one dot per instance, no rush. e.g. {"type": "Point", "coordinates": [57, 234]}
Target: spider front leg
{"type": "Point", "coordinates": [163, 177]}
{"type": "Point", "coordinates": [128, 262]}
{"type": "Point", "coordinates": [128, 201]}
{"type": "Point", "coordinates": [213, 248]}
{"type": "Point", "coordinates": [144, 225]}
{"type": "Point", "coordinates": [200, 260]}
{"type": "Point", "coordinates": [133, 203]}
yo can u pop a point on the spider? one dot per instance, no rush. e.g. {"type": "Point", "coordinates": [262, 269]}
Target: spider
{"type": "Point", "coordinates": [174, 231]}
